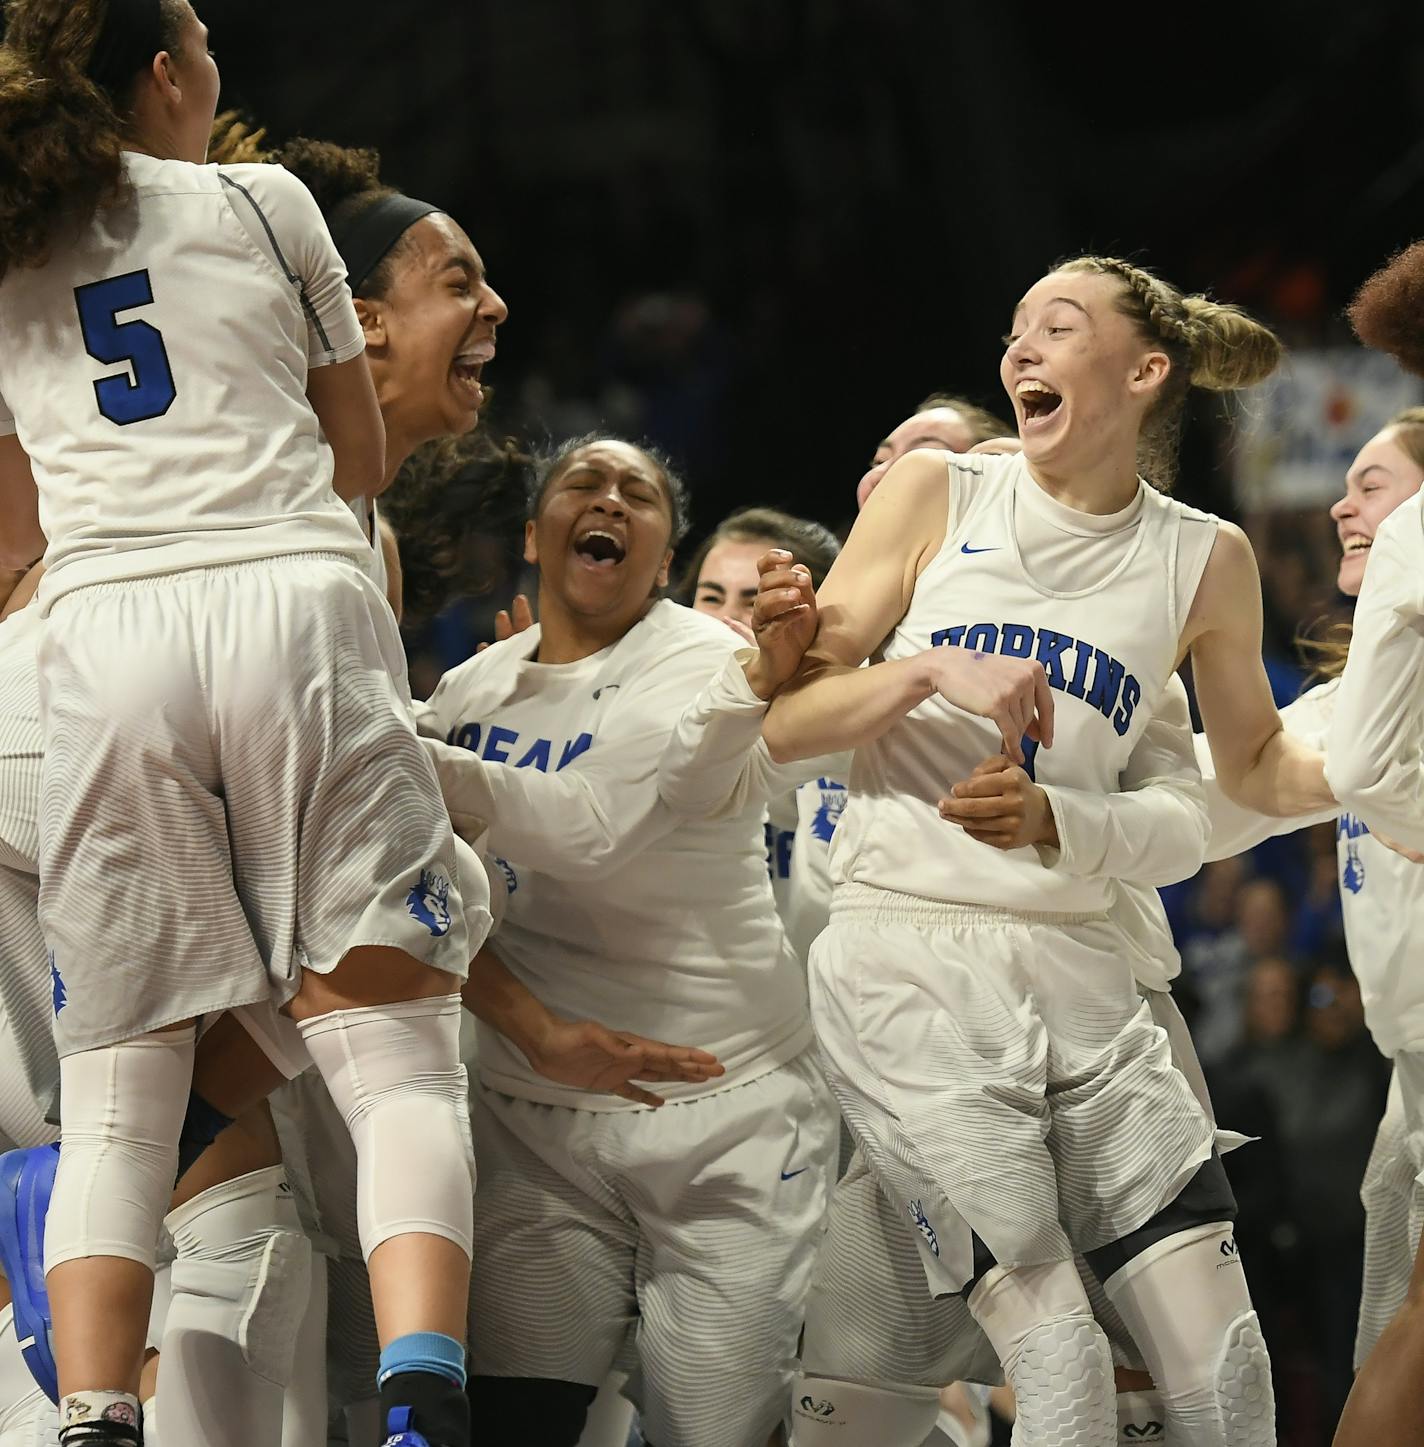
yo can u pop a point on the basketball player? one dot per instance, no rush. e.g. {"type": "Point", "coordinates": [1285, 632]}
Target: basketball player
{"type": "Point", "coordinates": [172, 510]}
{"type": "Point", "coordinates": [862, 1327]}
{"type": "Point", "coordinates": [1035, 1051]}
{"type": "Point", "coordinates": [693, 1227]}
{"type": "Point", "coordinates": [1375, 764]}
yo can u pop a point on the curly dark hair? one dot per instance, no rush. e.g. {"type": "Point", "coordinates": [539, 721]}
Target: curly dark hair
{"type": "Point", "coordinates": [1388, 310]}
{"type": "Point", "coordinates": [61, 132]}
{"type": "Point", "coordinates": [457, 508]}
{"type": "Point", "coordinates": [548, 465]}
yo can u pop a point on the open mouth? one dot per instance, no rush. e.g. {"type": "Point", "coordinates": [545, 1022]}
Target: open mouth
{"type": "Point", "coordinates": [1355, 545]}
{"type": "Point", "coordinates": [600, 549]}
{"type": "Point", "coordinates": [1037, 399]}
{"type": "Point", "coordinates": [468, 367]}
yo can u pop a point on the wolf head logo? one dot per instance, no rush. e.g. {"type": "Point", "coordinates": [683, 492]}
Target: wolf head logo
{"type": "Point", "coordinates": [429, 901]}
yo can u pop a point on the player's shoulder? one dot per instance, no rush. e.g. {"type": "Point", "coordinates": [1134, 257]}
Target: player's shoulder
{"type": "Point", "coordinates": [268, 182]}
{"type": "Point", "coordinates": [1168, 505]}
{"type": "Point", "coordinates": [668, 626]}
{"type": "Point", "coordinates": [1405, 524]}
{"type": "Point", "coordinates": [488, 663]}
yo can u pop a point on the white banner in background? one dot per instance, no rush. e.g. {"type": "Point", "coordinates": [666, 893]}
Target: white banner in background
{"type": "Point", "coordinates": [1299, 432]}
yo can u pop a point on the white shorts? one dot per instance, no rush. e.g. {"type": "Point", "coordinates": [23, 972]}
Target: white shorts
{"type": "Point", "coordinates": [694, 1227]}
{"type": "Point", "coordinates": [1002, 1074]}
{"type": "Point", "coordinates": [26, 994]}
{"type": "Point", "coordinates": [232, 792]}
{"type": "Point", "coordinates": [1393, 1195]}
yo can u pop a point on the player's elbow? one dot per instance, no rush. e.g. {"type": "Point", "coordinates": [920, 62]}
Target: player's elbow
{"type": "Point", "coordinates": [1356, 779]}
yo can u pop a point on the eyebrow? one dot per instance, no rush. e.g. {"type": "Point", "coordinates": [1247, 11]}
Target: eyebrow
{"type": "Point", "coordinates": [711, 587]}
{"type": "Point", "coordinates": [1066, 300]}
{"type": "Point", "coordinates": [472, 269]}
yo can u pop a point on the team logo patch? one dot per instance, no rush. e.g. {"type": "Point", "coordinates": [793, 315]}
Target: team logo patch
{"type": "Point", "coordinates": [58, 993]}
{"type": "Point", "coordinates": [429, 901]}
{"type": "Point", "coordinates": [816, 1407]}
{"type": "Point", "coordinates": [833, 802]}
{"type": "Point", "coordinates": [511, 879]}
{"type": "Point", "coordinates": [922, 1225]}
{"type": "Point", "coordinates": [1353, 877]}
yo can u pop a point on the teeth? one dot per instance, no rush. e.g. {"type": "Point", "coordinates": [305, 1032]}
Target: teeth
{"type": "Point", "coordinates": [598, 533]}
{"type": "Point", "coordinates": [1357, 545]}
{"type": "Point", "coordinates": [1031, 386]}
{"type": "Point", "coordinates": [476, 356]}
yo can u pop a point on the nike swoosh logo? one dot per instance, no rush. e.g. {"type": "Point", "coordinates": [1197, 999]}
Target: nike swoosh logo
{"type": "Point", "coordinates": [967, 549]}
{"type": "Point", "coordinates": [787, 1175]}
{"type": "Point", "coordinates": [607, 688]}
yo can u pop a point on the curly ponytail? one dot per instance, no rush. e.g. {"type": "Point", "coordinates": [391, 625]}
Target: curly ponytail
{"type": "Point", "coordinates": [1209, 344]}
{"type": "Point", "coordinates": [61, 131]}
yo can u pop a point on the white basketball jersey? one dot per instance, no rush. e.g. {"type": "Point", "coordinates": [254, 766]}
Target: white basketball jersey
{"type": "Point", "coordinates": [1108, 652]}
{"type": "Point", "coordinates": [155, 370]}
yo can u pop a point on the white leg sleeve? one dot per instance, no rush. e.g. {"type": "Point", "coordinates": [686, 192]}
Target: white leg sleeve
{"type": "Point", "coordinates": [304, 1408]}
{"type": "Point", "coordinates": [394, 1073]}
{"type": "Point", "coordinates": [122, 1109]}
{"type": "Point", "coordinates": [1055, 1355]}
{"type": "Point", "coordinates": [1186, 1304]}
{"type": "Point", "coordinates": [1141, 1419]}
{"type": "Point", "coordinates": [240, 1289]}
{"type": "Point", "coordinates": [27, 1417]}
{"type": "Point", "coordinates": [611, 1415]}
{"type": "Point", "coordinates": [825, 1411]}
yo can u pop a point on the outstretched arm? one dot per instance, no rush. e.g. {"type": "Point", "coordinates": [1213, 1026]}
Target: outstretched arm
{"type": "Point", "coordinates": [581, 1053]}
{"type": "Point", "coordinates": [1259, 765]}
{"type": "Point", "coordinates": [833, 704]}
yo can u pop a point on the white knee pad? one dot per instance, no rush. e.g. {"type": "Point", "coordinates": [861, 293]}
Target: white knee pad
{"type": "Point", "coordinates": [1141, 1419]}
{"type": "Point", "coordinates": [1186, 1303]}
{"type": "Point", "coordinates": [304, 1405]}
{"type": "Point", "coordinates": [240, 1285]}
{"type": "Point", "coordinates": [394, 1073]}
{"type": "Point", "coordinates": [860, 1414]}
{"type": "Point", "coordinates": [1055, 1355]}
{"type": "Point", "coordinates": [27, 1417]}
{"type": "Point", "coordinates": [122, 1108]}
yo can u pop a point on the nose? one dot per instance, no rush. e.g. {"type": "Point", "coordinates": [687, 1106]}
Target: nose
{"type": "Point", "coordinates": [1021, 352]}
{"type": "Point", "coordinates": [609, 499]}
{"type": "Point", "coordinates": [1344, 508]}
{"type": "Point", "coordinates": [492, 306]}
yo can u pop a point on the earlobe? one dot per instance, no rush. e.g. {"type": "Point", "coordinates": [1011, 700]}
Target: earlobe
{"type": "Point", "coordinates": [531, 548]}
{"type": "Point", "coordinates": [372, 323]}
{"type": "Point", "coordinates": [663, 572]}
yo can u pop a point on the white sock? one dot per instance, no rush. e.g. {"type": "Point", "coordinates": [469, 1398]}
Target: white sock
{"type": "Point", "coordinates": [394, 1073]}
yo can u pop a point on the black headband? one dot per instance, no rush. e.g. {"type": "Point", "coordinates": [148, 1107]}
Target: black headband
{"type": "Point", "coordinates": [131, 35]}
{"type": "Point", "coordinates": [366, 238]}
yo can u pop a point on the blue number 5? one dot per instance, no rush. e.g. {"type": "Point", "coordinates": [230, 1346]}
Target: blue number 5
{"type": "Point", "coordinates": [150, 392]}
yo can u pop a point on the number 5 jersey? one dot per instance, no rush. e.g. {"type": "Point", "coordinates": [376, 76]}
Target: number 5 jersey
{"type": "Point", "coordinates": [155, 370]}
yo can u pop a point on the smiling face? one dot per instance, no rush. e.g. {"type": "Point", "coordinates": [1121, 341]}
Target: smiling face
{"type": "Point", "coordinates": [430, 336]}
{"type": "Point", "coordinates": [1080, 375]}
{"type": "Point", "coordinates": [728, 579]}
{"type": "Point", "coordinates": [938, 427]}
{"type": "Point", "coordinates": [1381, 477]}
{"type": "Point", "coordinates": [602, 536]}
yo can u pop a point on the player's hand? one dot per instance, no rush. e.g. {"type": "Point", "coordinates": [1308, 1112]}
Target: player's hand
{"type": "Point", "coordinates": [509, 621]}
{"type": "Point", "coordinates": [998, 804]}
{"type": "Point", "coordinates": [783, 620]}
{"type": "Point", "coordinates": [1412, 855]}
{"type": "Point", "coordinates": [589, 1056]}
{"type": "Point", "coordinates": [1012, 693]}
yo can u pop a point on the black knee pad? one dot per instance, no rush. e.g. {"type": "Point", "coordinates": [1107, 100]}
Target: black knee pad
{"type": "Point", "coordinates": [530, 1409]}
{"type": "Point", "coordinates": [1204, 1200]}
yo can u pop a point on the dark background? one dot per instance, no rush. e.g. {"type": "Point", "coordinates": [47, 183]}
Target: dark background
{"type": "Point", "coordinates": [842, 199]}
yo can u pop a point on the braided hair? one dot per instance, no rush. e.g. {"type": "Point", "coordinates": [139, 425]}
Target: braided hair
{"type": "Point", "coordinates": [1209, 345]}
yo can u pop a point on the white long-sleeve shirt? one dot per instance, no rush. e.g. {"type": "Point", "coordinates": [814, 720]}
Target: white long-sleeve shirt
{"type": "Point", "coordinates": [1381, 892]}
{"type": "Point", "coordinates": [618, 909]}
{"type": "Point", "coordinates": [1375, 757]}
